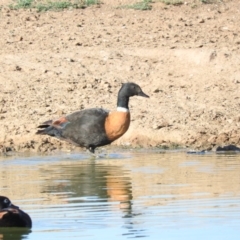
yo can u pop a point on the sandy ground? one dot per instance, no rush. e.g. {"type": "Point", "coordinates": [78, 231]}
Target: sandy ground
{"type": "Point", "coordinates": [185, 57]}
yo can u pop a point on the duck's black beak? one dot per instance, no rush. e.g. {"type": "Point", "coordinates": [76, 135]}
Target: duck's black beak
{"type": "Point", "coordinates": [13, 206]}
{"type": "Point", "coordinates": [142, 94]}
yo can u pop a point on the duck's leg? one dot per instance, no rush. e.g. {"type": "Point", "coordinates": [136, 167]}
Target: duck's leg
{"type": "Point", "coordinates": [96, 155]}
{"type": "Point", "coordinates": [91, 150]}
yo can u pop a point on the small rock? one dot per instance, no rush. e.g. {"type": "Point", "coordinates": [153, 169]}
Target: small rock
{"type": "Point", "coordinates": [17, 68]}
{"type": "Point", "coordinates": [70, 60]}
{"type": "Point", "coordinates": [157, 126]}
{"type": "Point", "coordinates": [157, 90]}
{"type": "Point", "coordinates": [236, 81]}
{"type": "Point", "coordinates": [228, 148]}
{"type": "Point", "coordinates": [196, 152]}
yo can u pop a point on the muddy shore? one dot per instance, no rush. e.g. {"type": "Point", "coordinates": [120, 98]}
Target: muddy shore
{"type": "Point", "coordinates": [185, 58]}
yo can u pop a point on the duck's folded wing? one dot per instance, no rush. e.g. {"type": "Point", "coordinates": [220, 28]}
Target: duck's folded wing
{"type": "Point", "coordinates": [87, 113]}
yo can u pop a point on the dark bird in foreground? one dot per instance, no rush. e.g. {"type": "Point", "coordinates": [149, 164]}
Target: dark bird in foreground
{"type": "Point", "coordinates": [13, 216]}
{"type": "Point", "coordinates": [94, 127]}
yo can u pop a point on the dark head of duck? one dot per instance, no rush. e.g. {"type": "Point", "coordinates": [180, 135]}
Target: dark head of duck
{"type": "Point", "coordinates": [129, 90]}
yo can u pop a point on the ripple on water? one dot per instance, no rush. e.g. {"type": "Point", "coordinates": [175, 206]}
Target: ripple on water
{"type": "Point", "coordinates": [126, 195]}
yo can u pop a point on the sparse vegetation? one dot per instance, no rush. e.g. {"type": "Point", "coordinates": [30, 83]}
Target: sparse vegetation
{"type": "Point", "coordinates": [210, 1]}
{"type": "Point", "coordinates": [144, 5]}
{"type": "Point", "coordinates": [53, 6]}
{"type": "Point", "coordinates": [172, 2]}
{"type": "Point", "coordinates": [179, 2]}
{"type": "Point", "coordinates": [23, 3]}
{"type": "Point", "coordinates": [91, 2]}
{"type": "Point", "coordinates": [204, 1]}
{"type": "Point", "coordinates": [58, 5]}
{"type": "Point", "coordinates": [42, 5]}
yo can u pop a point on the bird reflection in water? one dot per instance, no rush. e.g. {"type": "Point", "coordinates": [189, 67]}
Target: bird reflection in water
{"type": "Point", "coordinates": [91, 184]}
{"type": "Point", "coordinates": [14, 233]}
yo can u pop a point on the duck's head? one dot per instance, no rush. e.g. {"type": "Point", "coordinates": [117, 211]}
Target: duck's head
{"type": "Point", "coordinates": [6, 203]}
{"type": "Point", "coordinates": [132, 89]}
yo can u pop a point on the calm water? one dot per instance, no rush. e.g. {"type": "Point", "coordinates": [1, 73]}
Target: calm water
{"type": "Point", "coordinates": [165, 195]}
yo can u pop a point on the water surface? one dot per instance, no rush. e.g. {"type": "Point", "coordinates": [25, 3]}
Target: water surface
{"type": "Point", "coordinates": [152, 195]}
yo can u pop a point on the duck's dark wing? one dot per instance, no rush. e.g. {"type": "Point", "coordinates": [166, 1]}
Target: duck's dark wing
{"type": "Point", "coordinates": [12, 217]}
{"type": "Point", "coordinates": [85, 128]}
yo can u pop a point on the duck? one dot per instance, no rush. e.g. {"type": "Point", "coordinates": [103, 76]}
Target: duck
{"type": "Point", "coordinates": [94, 127]}
{"type": "Point", "coordinates": [13, 216]}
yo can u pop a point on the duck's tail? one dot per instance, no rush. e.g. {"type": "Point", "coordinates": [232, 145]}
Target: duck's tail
{"type": "Point", "coordinates": [48, 129]}
{"type": "Point", "coordinates": [53, 128]}
{"type": "Point", "coordinates": [51, 131]}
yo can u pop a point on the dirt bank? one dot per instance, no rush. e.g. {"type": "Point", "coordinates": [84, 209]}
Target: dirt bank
{"type": "Point", "coordinates": [185, 57]}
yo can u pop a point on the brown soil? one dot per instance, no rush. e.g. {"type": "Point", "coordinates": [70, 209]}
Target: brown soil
{"type": "Point", "coordinates": [185, 57]}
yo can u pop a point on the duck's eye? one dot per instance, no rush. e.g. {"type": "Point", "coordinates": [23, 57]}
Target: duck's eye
{"type": "Point", "coordinates": [6, 200]}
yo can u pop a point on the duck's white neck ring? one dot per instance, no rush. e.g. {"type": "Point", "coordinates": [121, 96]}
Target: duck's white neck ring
{"type": "Point", "coordinates": [122, 109]}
